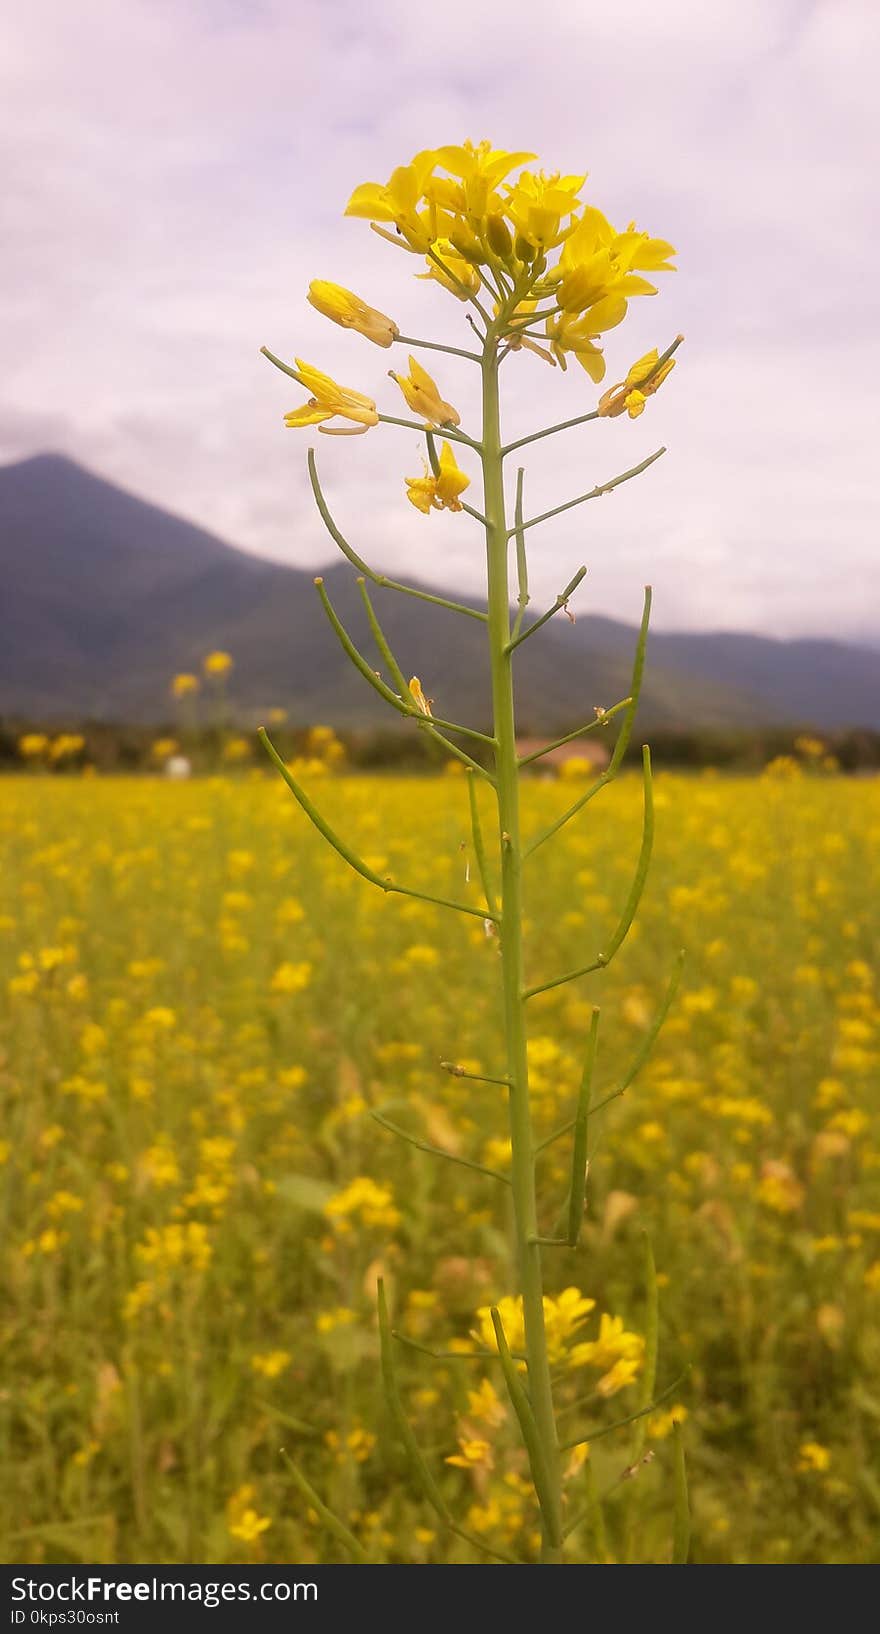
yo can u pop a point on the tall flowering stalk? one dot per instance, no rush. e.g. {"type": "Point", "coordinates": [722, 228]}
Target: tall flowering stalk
{"type": "Point", "coordinates": [536, 271]}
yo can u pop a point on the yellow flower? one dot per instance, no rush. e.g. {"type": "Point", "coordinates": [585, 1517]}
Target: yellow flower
{"type": "Point", "coordinates": [813, 1457]}
{"type": "Point", "coordinates": [618, 1377]}
{"type": "Point", "coordinates": [374, 1204]}
{"type": "Point", "coordinates": [440, 492]}
{"type": "Point", "coordinates": [538, 205]}
{"type": "Point", "coordinates": [484, 1404]}
{"type": "Point", "coordinates": [291, 978]}
{"type": "Point", "coordinates": [562, 1317]}
{"type": "Point", "coordinates": [418, 696]}
{"type": "Point", "coordinates": [347, 309]}
{"type": "Point", "coordinates": [242, 1519]}
{"type": "Point", "coordinates": [32, 745]}
{"type": "Point", "coordinates": [423, 397]}
{"type": "Point", "coordinates": [613, 1344]}
{"type": "Point", "coordinates": [329, 400]}
{"type": "Point", "coordinates": [662, 1424]}
{"type": "Point", "coordinates": [270, 1364]}
{"type": "Point", "coordinates": [396, 203]}
{"type": "Point", "coordinates": [217, 663]}
{"type": "Point", "coordinates": [779, 1188]}
{"type": "Point", "coordinates": [182, 684]}
{"type": "Point", "coordinates": [474, 1454]}
{"type": "Point", "coordinates": [643, 380]}
{"type": "Point", "coordinates": [66, 745]}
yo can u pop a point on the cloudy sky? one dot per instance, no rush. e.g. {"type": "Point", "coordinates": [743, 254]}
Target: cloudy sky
{"type": "Point", "coordinates": [177, 171]}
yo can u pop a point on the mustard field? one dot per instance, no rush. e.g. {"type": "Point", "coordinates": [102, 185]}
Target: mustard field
{"type": "Point", "coordinates": [200, 1007]}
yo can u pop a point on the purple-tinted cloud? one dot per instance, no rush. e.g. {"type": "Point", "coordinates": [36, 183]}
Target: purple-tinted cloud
{"type": "Point", "coordinates": [177, 174]}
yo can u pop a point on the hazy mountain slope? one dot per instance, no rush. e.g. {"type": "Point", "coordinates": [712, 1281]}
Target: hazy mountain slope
{"type": "Point", "coordinates": [106, 597]}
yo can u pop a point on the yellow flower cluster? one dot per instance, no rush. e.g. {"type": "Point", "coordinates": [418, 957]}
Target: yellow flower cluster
{"type": "Point", "coordinates": [617, 1353]}
{"type": "Point", "coordinates": [459, 208]}
{"type": "Point", "coordinates": [364, 1199]}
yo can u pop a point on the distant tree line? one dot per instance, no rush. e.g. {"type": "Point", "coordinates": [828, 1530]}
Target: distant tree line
{"type": "Point", "coordinates": [70, 748]}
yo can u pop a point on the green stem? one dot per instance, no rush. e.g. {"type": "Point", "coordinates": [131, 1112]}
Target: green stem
{"type": "Point", "coordinates": [601, 719]}
{"type": "Point", "coordinates": [507, 790]}
{"type": "Point", "coordinates": [436, 1151]}
{"type": "Point", "coordinates": [357, 561]}
{"type": "Point", "coordinates": [434, 346]}
{"type": "Point", "coordinates": [594, 493]}
{"type": "Point", "coordinates": [561, 600]}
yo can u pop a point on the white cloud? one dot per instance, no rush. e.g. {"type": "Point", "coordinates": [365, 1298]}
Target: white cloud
{"type": "Point", "coordinates": [178, 173]}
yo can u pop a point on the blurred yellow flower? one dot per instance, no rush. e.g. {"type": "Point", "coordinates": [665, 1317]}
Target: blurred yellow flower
{"type": "Point", "coordinates": [291, 978]}
{"type": "Point", "coordinates": [217, 663]}
{"type": "Point", "coordinates": [184, 684]}
{"type": "Point", "coordinates": [813, 1457]}
{"type": "Point", "coordinates": [270, 1364]}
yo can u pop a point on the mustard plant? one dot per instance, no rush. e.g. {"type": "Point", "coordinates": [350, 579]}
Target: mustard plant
{"type": "Point", "coordinates": [534, 270]}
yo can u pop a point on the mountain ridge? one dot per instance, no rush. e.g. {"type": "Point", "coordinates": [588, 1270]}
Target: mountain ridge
{"type": "Point", "coordinates": [107, 596]}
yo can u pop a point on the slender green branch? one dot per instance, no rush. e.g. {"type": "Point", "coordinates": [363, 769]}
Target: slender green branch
{"type": "Point", "coordinates": [297, 1425]}
{"type": "Point", "coordinates": [522, 563]}
{"type": "Point", "coordinates": [403, 702]}
{"type": "Point", "coordinates": [410, 707]}
{"type": "Point", "coordinates": [576, 1198]}
{"type": "Point", "coordinates": [401, 1423]}
{"type": "Point", "coordinates": [450, 432]}
{"type": "Point", "coordinates": [519, 635]}
{"type": "Point", "coordinates": [648, 1042]}
{"type": "Point", "coordinates": [681, 1535]}
{"type": "Point", "coordinates": [357, 561]}
{"type": "Point", "coordinates": [602, 718]}
{"type": "Point", "coordinates": [594, 493]}
{"type": "Point", "coordinates": [632, 901]}
{"type": "Point", "coordinates": [652, 1339]}
{"type": "Point", "coordinates": [599, 1430]}
{"type": "Point", "coordinates": [623, 737]}
{"type": "Point", "coordinates": [564, 1129]}
{"type": "Point", "coordinates": [333, 1524]}
{"type": "Point", "coordinates": [541, 1474]}
{"type": "Point", "coordinates": [649, 1039]}
{"type": "Point", "coordinates": [480, 850]}
{"type": "Point", "coordinates": [579, 419]}
{"type": "Point", "coordinates": [475, 1077]}
{"type": "Point", "coordinates": [437, 1151]}
{"type": "Point", "coordinates": [434, 346]}
{"type": "Point", "coordinates": [358, 660]}
{"type": "Point", "coordinates": [345, 851]}
{"type": "Point", "coordinates": [451, 1355]}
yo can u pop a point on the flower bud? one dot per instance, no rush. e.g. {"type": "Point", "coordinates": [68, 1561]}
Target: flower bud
{"type": "Point", "coordinates": [498, 237]}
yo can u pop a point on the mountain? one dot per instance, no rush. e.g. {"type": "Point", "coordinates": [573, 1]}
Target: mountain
{"type": "Point", "coordinates": [105, 598]}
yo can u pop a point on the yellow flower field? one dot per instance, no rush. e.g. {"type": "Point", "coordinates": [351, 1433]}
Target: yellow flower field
{"type": "Point", "coordinates": [199, 1009]}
